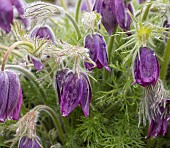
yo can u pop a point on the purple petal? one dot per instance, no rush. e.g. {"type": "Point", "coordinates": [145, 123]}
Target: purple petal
{"type": "Point", "coordinates": [123, 18]}
{"type": "Point", "coordinates": [4, 87]}
{"type": "Point", "coordinates": [165, 125]}
{"type": "Point", "coordinates": [13, 93]}
{"type": "Point", "coordinates": [60, 78]}
{"type": "Point", "coordinates": [102, 54]}
{"type": "Point", "coordinates": [108, 15]}
{"type": "Point", "coordinates": [37, 64]}
{"type": "Point", "coordinates": [16, 112]}
{"type": "Point", "coordinates": [151, 126]}
{"type": "Point", "coordinates": [98, 52]}
{"type": "Point", "coordinates": [6, 15]}
{"type": "Point", "coordinates": [71, 94]}
{"type": "Point", "coordinates": [29, 143]}
{"type": "Point", "coordinates": [97, 6]}
{"type": "Point", "coordinates": [86, 95]}
{"type": "Point", "coordinates": [157, 128]}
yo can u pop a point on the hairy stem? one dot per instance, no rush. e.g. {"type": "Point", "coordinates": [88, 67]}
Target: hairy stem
{"type": "Point", "coordinates": [11, 48]}
{"type": "Point", "coordinates": [5, 48]}
{"type": "Point", "coordinates": [74, 24]}
{"type": "Point", "coordinates": [78, 10]}
{"type": "Point", "coordinates": [164, 64]}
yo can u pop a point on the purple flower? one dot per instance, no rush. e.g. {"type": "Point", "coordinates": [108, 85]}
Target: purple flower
{"type": "Point", "coordinates": [122, 16]}
{"type": "Point", "coordinates": [10, 96]}
{"type": "Point", "coordinates": [73, 89]}
{"type": "Point", "coordinates": [26, 142]}
{"type": "Point", "coordinates": [146, 67]}
{"type": "Point", "coordinates": [43, 32]}
{"type": "Point", "coordinates": [159, 126]}
{"type": "Point", "coordinates": [6, 13]}
{"type": "Point", "coordinates": [98, 51]}
{"type": "Point", "coordinates": [37, 64]}
{"type": "Point", "coordinates": [113, 12]}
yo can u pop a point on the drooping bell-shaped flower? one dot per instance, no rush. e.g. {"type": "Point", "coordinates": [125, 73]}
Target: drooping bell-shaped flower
{"type": "Point", "coordinates": [108, 15]}
{"type": "Point", "coordinates": [98, 51]}
{"type": "Point", "coordinates": [73, 89]}
{"type": "Point", "coordinates": [7, 15]}
{"type": "Point", "coordinates": [159, 125]}
{"type": "Point", "coordinates": [114, 12]}
{"type": "Point", "coordinates": [19, 4]}
{"type": "Point", "coordinates": [146, 67]}
{"type": "Point", "coordinates": [43, 32]}
{"type": "Point", "coordinates": [10, 96]}
{"type": "Point", "coordinates": [26, 142]}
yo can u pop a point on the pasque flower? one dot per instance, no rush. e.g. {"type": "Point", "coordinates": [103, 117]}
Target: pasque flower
{"type": "Point", "coordinates": [98, 51]}
{"type": "Point", "coordinates": [146, 67]}
{"type": "Point", "coordinates": [73, 89]}
{"type": "Point", "coordinates": [7, 15]}
{"type": "Point", "coordinates": [43, 32]}
{"type": "Point", "coordinates": [26, 142]}
{"type": "Point", "coordinates": [114, 12]}
{"type": "Point", "coordinates": [10, 96]}
{"type": "Point", "coordinates": [159, 125]}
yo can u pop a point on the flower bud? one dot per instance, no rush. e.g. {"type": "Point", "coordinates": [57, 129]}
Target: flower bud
{"type": "Point", "coordinates": [43, 32]}
{"type": "Point", "coordinates": [146, 67]}
{"type": "Point", "coordinates": [98, 52]}
{"type": "Point", "coordinates": [38, 65]}
{"type": "Point", "coordinates": [26, 142]}
{"type": "Point", "coordinates": [10, 96]}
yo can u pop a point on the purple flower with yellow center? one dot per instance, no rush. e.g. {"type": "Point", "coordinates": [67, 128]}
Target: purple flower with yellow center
{"type": "Point", "coordinates": [159, 125]}
{"type": "Point", "coordinates": [146, 67]}
{"type": "Point", "coordinates": [43, 32]}
{"type": "Point", "coordinates": [26, 142]}
{"type": "Point", "coordinates": [114, 12]}
{"type": "Point", "coordinates": [73, 89]}
{"type": "Point", "coordinates": [7, 15]}
{"type": "Point", "coordinates": [10, 96]}
{"type": "Point", "coordinates": [97, 51]}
